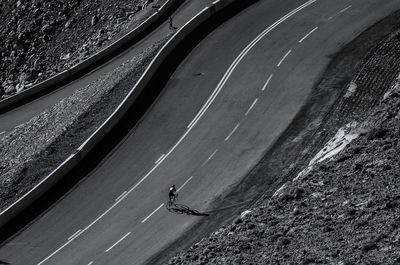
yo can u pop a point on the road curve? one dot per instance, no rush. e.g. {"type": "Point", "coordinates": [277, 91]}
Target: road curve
{"type": "Point", "coordinates": [225, 104]}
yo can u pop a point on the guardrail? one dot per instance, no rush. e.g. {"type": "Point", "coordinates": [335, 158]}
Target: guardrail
{"type": "Point", "coordinates": [72, 161]}
{"type": "Point", "coordinates": [88, 63]}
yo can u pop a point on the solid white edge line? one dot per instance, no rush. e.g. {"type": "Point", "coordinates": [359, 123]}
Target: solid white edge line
{"type": "Point", "coordinates": [209, 158]}
{"type": "Point", "coordinates": [183, 185]}
{"type": "Point", "coordinates": [345, 9]}
{"type": "Point", "coordinates": [158, 160]}
{"type": "Point", "coordinates": [153, 212]}
{"type": "Point", "coordinates": [283, 58]}
{"type": "Point", "coordinates": [251, 107]}
{"type": "Point", "coordinates": [120, 196]}
{"type": "Point", "coordinates": [241, 56]}
{"type": "Point", "coordinates": [75, 234]}
{"type": "Point", "coordinates": [238, 59]}
{"type": "Point", "coordinates": [119, 241]}
{"type": "Point", "coordinates": [266, 83]}
{"type": "Point", "coordinates": [308, 34]}
{"type": "Point", "coordinates": [232, 132]}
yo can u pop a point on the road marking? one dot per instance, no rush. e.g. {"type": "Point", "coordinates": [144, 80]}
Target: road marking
{"type": "Point", "coordinates": [340, 12]}
{"type": "Point", "coordinates": [308, 34]}
{"type": "Point", "coordinates": [90, 263]}
{"type": "Point", "coordinates": [266, 83]}
{"type": "Point", "coordinates": [158, 208]}
{"type": "Point", "coordinates": [195, 120]}
{"type": "Point", "coordinates": [209, 158]}
{"type": "Point", "coordinates": [238, 59]}
{"type": "Point", "coordinates": [183, 185]}
{"type": "Point", "coordinates": [74, 235]}
{"type": "Point", "coordinates": [16, 127]}
{"type": "Point", "coordinates": [284, 57]}
{"type": "Point", "coordinates": [158, 160]}
{"type": "Point", "coordinates": [345, 9]}
{"type": "Point", "coordinates": [120, 196]}
{"type": "Point", "coordinates": [252, 106]}
{"type": "Point", "coordinates": [119, 241]}
{"type": "Point", "coordinates": [232, 132]}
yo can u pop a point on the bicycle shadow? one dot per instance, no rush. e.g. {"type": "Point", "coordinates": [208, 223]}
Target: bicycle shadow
{"type": "Point", "coordinates": [184, 209]}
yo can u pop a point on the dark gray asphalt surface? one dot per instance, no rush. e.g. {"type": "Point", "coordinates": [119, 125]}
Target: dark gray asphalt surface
{"type": "Point", "coordinates": [242, 121]}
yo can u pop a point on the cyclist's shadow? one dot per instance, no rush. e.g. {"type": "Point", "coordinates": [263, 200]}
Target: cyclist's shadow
{"type": "Point", "coordinates": [184, 209]}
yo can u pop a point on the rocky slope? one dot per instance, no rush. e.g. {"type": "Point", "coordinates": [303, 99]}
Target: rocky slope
{"type": "Point", "coordinates": [343, 207]}
{"type": "Point", "coordinates": [41, 38]}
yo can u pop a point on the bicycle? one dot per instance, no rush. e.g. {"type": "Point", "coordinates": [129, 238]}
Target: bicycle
{"type": "Point", "coordinates": [172, 199]}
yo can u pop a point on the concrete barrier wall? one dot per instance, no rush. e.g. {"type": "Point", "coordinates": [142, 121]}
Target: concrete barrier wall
{"type": "Point", "coordinates": [40, 189]}
{"type": "Point", "coordinates": [89, 62]}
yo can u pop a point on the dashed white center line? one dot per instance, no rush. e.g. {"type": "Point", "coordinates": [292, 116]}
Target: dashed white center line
{"type": "Point", "coordinates": [308, 34]}
{"type": "Point", "coordinates": [252, 106]}
{"type": "Point", "coordinates": [183, 185]}
{"type": "Point", "coordinates": [209, 158]}
{"type": "Point", "coordinates": [119, 241]}
{"type": "Point", "coordinates": [75, 234]}
{"type": "Point", "coordinates": [158, 160]}
{"type": "Point", "coordinates": [345, 9]}
{"type": "Point", "coordinates": [232, 132]}
{"type": "Point", "coordinates": [153, 212]}
{"type": "Point", "coordinates": [120, 196]}
{"type": "Point", "coordinates": [284, 57]}
{"type": "Point", "coordinates": [266, 83]}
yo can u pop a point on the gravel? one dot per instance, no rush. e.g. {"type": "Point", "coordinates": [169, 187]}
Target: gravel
{"type": "Point", "coordinates": [39, 39]}
{"type": "Point", "coordinates": [32, 151]}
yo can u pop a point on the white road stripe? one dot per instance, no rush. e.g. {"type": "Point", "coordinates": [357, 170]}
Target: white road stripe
{"type": "Point", "coordinates": [74, 235]}
{"type": "Point", "coordinates": [240, 58]}
{"type": "Point", "coordinates": [90, 263]}
{"type": "Point", "coordinates": [252, 106]}
{"type": "Point", "coordinates": [308, 34]}
{"type": "Point", "coordinates": [183, 185]}
{"type": "Point", "coordinates": [198, 116]}
{"type": "Point", "coordinates": [232, 132]}
{"type": "Point", "coordinates": [158, 208]}
{"type": "Point", "coordinates": [158, 160]}
{"type": "Point", "coordinates": [345, 9]}
{"type": "Point", "coordinates": [209, 158]}
{"type": "Point", "coordinates": [120, 196]}
{"type": "Point", "coordinates": [119, 241]}
{"type": "Point", "coordinates": [266, 83]}
{"type": "Point", "coordinates": [284, 57]}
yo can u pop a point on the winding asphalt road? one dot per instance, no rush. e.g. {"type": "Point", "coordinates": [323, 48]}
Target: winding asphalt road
{"type": "Point", "coordinates": [227, 102]}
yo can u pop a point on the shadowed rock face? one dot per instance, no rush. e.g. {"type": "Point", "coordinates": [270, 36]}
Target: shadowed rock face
{"type": "Point", "coordinates": [41, 38]}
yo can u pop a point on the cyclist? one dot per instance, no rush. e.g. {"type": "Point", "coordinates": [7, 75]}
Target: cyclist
{"type": "Point", "coordinates": [172, 194]}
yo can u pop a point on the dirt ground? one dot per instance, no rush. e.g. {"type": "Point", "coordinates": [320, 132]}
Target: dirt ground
{"type": "Point", "coordinates": [343, 207]}
{"type": "Point", "coordinates": [39, 39]}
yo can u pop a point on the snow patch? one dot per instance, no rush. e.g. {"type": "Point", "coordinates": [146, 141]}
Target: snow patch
{"type": "Point", "coordinates": [245, 213]}
{"type": "Point", "coordinates": [343, 137]}
{"type": "Point", "coordinates": [394, 89]}
{"type": "Point", "coordinates": [351, 89]}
